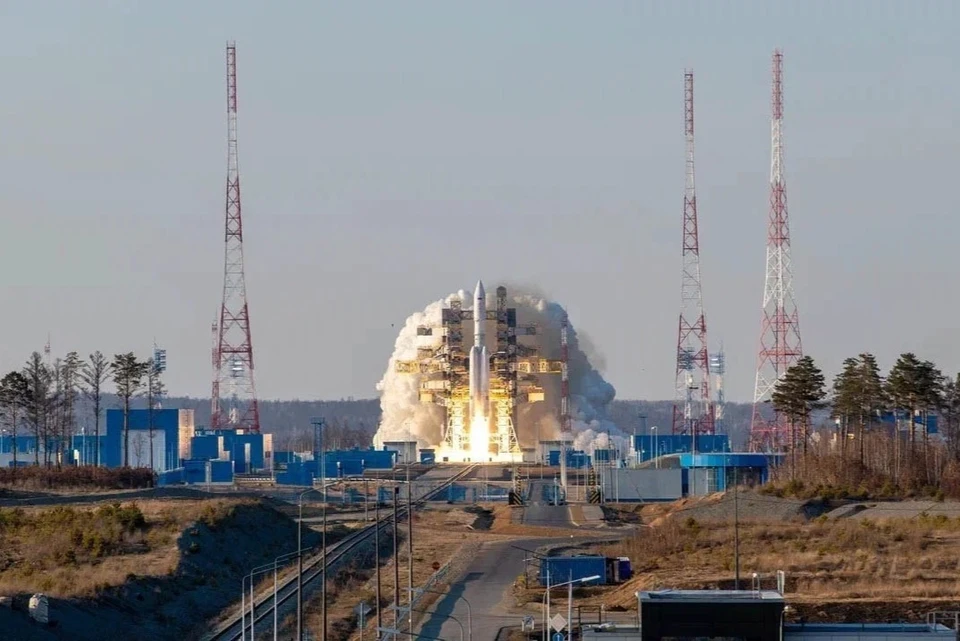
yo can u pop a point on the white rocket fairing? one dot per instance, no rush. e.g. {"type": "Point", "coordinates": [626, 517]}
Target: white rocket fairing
{"type": "Point", "coordinates": [479, 357]}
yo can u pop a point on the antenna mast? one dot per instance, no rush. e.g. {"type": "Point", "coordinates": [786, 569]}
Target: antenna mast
{"type": "Point", "coordinates": [692, 413]}
{"type": "Point", "coordinates": [780, 346]}
{"type": "Point", "coordinates": [234, 399]}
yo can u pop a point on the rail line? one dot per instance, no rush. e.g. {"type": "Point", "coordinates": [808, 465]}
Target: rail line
{"type": "Point", "coordinates": [238, 627]}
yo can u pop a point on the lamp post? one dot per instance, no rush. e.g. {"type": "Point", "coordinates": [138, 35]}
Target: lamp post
{"type": "Point", "coordinates": [545, 602]}
{"type": "Point", "coordinates": [260, 569]}
{"type": "Point", "coordinates": [469, 609]}
{"type": "Point", "coordinates": [656, 448]}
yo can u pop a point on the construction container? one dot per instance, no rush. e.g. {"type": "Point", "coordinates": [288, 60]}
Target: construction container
{"type": "Point", "coordinates": [571, 568]}
{"type": "Point", "coordinates": [428, 457]}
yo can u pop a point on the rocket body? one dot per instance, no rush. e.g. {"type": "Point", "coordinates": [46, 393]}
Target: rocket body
{"type": "Point", "coordinates": [479, 357]}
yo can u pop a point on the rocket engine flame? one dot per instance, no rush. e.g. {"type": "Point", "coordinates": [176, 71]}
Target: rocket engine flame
{"type": "Point", "coordinates": [405, 418]}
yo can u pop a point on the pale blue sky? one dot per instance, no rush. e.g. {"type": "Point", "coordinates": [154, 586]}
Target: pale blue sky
{"type": "Point", "coordinates": [394, 152]}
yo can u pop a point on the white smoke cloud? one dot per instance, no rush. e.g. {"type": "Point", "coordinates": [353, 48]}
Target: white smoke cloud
{"type": "Point", "coordinates": [405, 418]}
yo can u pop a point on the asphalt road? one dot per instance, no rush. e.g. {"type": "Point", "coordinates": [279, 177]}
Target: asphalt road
{"type": "Point", "coordinates": [539, 510]}
{"type": "Point", "coordinates": [489, 577]}
{"type": "Point", "coordinates": [485, 584]}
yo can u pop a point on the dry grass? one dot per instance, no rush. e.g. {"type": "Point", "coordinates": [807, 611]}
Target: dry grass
{"type": "Point", "coordinates": [72, 477]}
{"type": "Point", "coordinates": [80, 551]}
{"type": "Point", "coordinates": [824, 560]}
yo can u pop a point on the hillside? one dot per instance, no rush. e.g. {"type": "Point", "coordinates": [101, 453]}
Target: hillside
{"type": "Point", "coordinates": [151, 569]}
{"type": "Point", "coordinates": [896, 567]}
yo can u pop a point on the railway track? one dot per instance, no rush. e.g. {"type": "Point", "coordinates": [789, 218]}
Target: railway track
{"type": "Point", "coordinates": [239, 626]}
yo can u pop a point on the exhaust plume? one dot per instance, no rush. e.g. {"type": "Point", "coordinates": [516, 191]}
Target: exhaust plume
{"type": "Point", "coordinates": [405, 418]}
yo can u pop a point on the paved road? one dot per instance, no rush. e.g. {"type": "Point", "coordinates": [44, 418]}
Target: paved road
{"type": "Point", "coordinates": [540, 511]}
{"type": "Point", "coordinates": [487, 581]}
{"type": "Point", "coordinates": [486, 585]}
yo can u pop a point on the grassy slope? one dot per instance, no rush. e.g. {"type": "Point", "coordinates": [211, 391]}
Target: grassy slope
{"type": "Point", "coordinates": [159, 578]}
{"type": "Point", "coordinates": [836, 570]}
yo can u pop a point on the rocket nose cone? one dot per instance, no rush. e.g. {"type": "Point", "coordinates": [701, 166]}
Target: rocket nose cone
{"type": "Point", "coordinates": [479, 292]}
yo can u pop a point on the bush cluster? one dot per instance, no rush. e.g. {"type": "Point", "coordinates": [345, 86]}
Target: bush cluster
{"type": "Point", "coordinates": [68, 536]}
{"type": "Point", "coordinates": [86, 476]}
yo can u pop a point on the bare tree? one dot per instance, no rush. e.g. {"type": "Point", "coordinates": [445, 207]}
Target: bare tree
{"type": "Point", "coordinates": [14, 396]}
{"type": "Point", "coordinates": [128, 373]}
{"type": "Point", "coordinates": [155, 391]}
{"type": "Point", "coordinates": [70, 369]}
{"type": "Point", "coordinates": [38, 378]}
{"type": "Point", "coordinates": [94, 375]}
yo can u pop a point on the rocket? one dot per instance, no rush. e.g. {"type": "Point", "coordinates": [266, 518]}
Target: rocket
{"type": "Point", "coordinates": [479, 356]}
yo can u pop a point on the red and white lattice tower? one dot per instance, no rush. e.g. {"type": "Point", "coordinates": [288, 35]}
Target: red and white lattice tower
{"type": "Point", "coordinates": [692, 412]}
{"type": "Point", "coordinates": [234, 399]}
{"type": "Point", "coordinates": [780, 346]}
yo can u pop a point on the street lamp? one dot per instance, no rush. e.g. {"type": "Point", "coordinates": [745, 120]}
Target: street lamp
{"type": "Point", "coordinates": [545, 601]}
{"type": "Point", "coordinates": [462, 598]}
{"type": "Point", "coordinates": [260, 569]}
{"type": "Point", "coordinates": [656, 448]}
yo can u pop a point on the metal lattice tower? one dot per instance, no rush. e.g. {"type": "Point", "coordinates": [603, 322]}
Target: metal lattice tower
{"type": "Point", "coordinates": [780, 345]}
{"type": "Point", "coordinates": [692, 412]}
{"type": "Point", "coordinates": [234, 399]}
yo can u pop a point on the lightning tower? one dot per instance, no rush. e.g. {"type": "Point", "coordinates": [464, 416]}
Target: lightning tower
{"type": "Point", "coordinates": [234, 399]}
{"type": "Point", "coordinates": [780, 345]}
{"type": "Point", "coordinates": [692, 412]}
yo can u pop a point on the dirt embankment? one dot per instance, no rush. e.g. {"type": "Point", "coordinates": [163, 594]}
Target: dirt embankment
{"type": "Point", "coordinates": [157, 569]}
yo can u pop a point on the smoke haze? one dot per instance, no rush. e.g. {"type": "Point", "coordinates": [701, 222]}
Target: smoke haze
{"type": "Point", "coordinates": [405, 418]}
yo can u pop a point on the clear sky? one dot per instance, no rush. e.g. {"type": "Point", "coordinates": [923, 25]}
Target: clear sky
{"type": "Point", "coordinates": [394, 152]}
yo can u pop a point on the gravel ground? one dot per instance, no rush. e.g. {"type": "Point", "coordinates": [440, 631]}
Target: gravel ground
{"type": "Point", "coordinates": [726, 507]}
{"type": "Point", "coordinates": [896, 510]}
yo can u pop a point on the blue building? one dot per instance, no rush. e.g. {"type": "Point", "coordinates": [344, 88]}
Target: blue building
{"type": "Point", "coordinates": [650, 446]}
{"type": "Point", "coordinates": [172, 430]}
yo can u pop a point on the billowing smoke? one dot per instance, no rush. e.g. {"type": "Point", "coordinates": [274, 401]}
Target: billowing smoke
{"type": "Point", "coordinates": [405, 418]}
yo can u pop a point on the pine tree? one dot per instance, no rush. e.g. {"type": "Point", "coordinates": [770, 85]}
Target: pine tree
{"type": "Point", "coordinates": [950, 413]}
{"type": "Point", "coordinates": [846, 398]}
{"type": "Point", "coordinates": [797, 395]}
{"type": "Point", "coordinates": [128, 373]}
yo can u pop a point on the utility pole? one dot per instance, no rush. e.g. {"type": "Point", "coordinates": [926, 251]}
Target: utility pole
{"type": "Point", "coordinates": [410, 547]}
{"type": "Point", "coordinates": [396, 557]}
{"type": "Point", "coordinates": [377, 551]}
{"type": "Point", "coordinates": [736, 529]}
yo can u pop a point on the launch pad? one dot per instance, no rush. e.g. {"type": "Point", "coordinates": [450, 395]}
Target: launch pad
{"type": "Point", "coordinates": [480, 390]}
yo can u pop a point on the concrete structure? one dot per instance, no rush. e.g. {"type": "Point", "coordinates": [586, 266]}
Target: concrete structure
{"type": "Point", "coordinates": [406, 450]}
{"type": "Point", "coordinates": [625, 484]}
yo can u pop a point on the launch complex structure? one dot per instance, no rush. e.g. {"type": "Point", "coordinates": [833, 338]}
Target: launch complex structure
{"type": "Point", "coordinates": [480, 390]}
